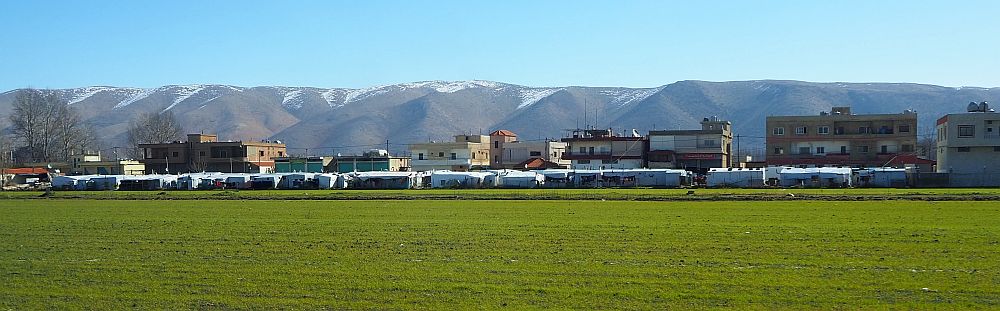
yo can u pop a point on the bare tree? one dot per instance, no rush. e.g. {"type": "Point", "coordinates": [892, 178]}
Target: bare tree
{"type": "Point", "coordinates": [47, 128]}
{"type": "Point", "coordinates": [152, 128]}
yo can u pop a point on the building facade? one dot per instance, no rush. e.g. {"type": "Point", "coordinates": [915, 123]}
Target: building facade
{"type": "Point", "coordinates": [968, 147]}
{"type": "Point", "coordinates": [372, 161]}
{"type": "Point", "coordinates": [467, 152]}
{"type": "Point", "coordinates": [840, 138]}
{"type": "Point", "coordinates": [693, 150]}
{"type": "Point", "coordinates": [205, 153]}
{"type": "Point", "coordinates": [314, 164]}
{"type": "Point", "coordinates": [601, 149]}
{"type": "Point", "coordinates": [506, 152]}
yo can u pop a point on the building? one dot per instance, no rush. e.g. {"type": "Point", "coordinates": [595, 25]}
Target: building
{"type": "Point", "coordinates": [119, 167]}
{"type": "Point", "coordinates": [467, 152]}
{"type": "Point", "coordinates": [314, 164]}
{"type": "Point", "coordinates": [601, 149]}
{"type": "Point", "coordinates": [968, 147]}
{"type": "Point", "coordinates": [509, 153]}
{"type": "Point", "coordinates": [692, 150]}
{"type": "Point", "coordinates": [205, 153]}
{"type": "Point", "coordinates": [840, 138]}
{"type": "Point", "coordinates": [372, 161]}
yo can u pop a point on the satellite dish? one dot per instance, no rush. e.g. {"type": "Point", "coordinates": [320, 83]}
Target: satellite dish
{"type": "Point", "coordinates": [973, 107]}
{"type": "Point", "coordinates": [984, 106]}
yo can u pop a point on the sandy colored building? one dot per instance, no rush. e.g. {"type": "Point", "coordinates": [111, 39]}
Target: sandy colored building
{"type": "Point", "coordinates": [509, 153]}
{"type": "Point", "coordinates": [840, 138]}
{"type": "Point", "coordinates": [467, 152]}
{"type": "Point", "coordinates": [601, 149]}
{"type": "Point", "coordinates": [205, 153]}
{"type": "Point", "coordinates": [693, 150]}
{"type": "Point", "coordinates": [968, 147]}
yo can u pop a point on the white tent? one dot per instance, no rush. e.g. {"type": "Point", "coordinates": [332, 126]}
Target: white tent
{"type": "Point", "coordinates": [265, 181]}
{"type": "Point", "coordinates": [882, 177]}
{"type": "Point", "coordinates": [586, 178]}
{"type": "Point", "coordinates": [147, 182]}
{"type": "Point", "coordinates": [519, 179]}
{"type": "Point", "coordinates": [386, 180]}
{"type": "Point", "coordinates": [449, 179]}
{"type": "Point", "coordinates": [815, 177]}
{"type": "Point", "coordinates": [71, 182]}
{"type": "Point", "coordinates": [557, 178]}
{"type": "Point", "coordinates": [735, 177]}
{"type": "Point", "coordinates": [332, 180]}
{"type": "Point", "coordinates": [104, 182]}
{"type": "Point", "coordinates": [644, 178]}
{"type": "Point", "coordinates": [296, 180]}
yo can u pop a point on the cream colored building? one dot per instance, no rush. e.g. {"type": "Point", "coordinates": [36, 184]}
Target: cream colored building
{"type": "Point", "coordinates": [506, 152]}
{"type": "Point", "coordinates": [968, 148]}
{"type": "Point", "coordinates": [467, 152]}
{"type": "Point", "coordinates": [693, 150]}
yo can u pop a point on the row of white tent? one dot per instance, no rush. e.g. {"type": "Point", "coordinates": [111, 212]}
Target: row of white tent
{"type": "Point", "coordinates": [382, 180]}
{"type": "Point", "coordinates": [555, 178]}
{"type": "Point", "coordinates": [806, 177]}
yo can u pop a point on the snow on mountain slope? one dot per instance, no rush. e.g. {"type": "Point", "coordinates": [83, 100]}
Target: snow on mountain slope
{"type": "Point", "coordinates": [81, 94]}
{"type": "Point", "coordinates": [292, 99]}
{"type": "Point", "coordinates": [133, 95]}
{"type": "Point", "coordinates": [183, 93]}
{"type": "Point", "coordinates": [530, 96]}
{"type": "Point", "coordinates": [622, 97]}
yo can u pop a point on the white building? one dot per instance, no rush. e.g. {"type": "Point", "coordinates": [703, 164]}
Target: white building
{"type": "Point", "coordinates": [968, 147]}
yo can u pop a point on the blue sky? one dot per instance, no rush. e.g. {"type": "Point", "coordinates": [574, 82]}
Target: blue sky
{"type": "Point", "coordinates": [61, 44]}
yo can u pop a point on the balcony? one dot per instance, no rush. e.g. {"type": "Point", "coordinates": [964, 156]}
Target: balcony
{"type": "Point", "coordinates": [441, 162]}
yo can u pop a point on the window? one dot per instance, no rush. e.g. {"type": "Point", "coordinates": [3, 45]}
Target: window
{"type": "Point", "coordinates": [884, 149]}
{"type": "Point", "coordinates": [608, 161]}
{"type": "Point", "coordinates": [454, 156]}
{"type": "Point", "coordinates": [583, 161]}
{"type": "Point", "coordinates": [778, 131]}
{"type": "Point", "coordinates": [962, 149]}
{"type": "Point", "coordinates": [863, 149]}
{"type": "Point", "coordinates": [201, 153]}
{"type": "Point", "coordinates": [420, 156]}
{"type": "Point", "coordinates": [496, 144]}
{"type": "Point", "coordinates": [441, 154]}
{"type": "Point", "coordinates": [905, 128]}
{"type": "Point", "coordinates": [839, 130]}
{"type": "Point", "coordinates": [966, 131]}
{"type": "Point", "coordinates": [281, 153]}
{"type": "Point", "coordinates": [907, 148]}
{"type": "Point", "coordinates": [843, 149]}
{"type": "Point", "coordinates": [864, 130]}
{"type": "Point", "coordinates": [820, 150]}
{"type": "Point", "coordinates": [823, 130]}
{"type": "Point", "coordinates": [535, 153]}
{"type": "Point", "coordinates": [175, 154]}
{"type": "Point", "coordinates": [261, 153]}
{"type": "Point", "coordinates": [803, 150]}
{"type": "Point", "coordinates": [779, 150]}
{"type": "Point", "coordinates": [996, 148]}
{"type": "Point", "coordinates": [591, 150]}
{"type": "Point", "coordinates": [709, 143]}
{"type": "Point", "coordinates": [801, 130]}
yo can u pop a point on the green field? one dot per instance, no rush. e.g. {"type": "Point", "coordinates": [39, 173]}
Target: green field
{"type": "Point", "coordinates": [459, 254]}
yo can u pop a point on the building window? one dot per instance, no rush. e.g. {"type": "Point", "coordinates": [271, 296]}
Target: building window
{"type": "Point", "coordinates": [591, 150]}
{"type": "Point", "coordinates": [441, 154]}
{"type": "Point", "coordinates": [839, 130]}
{"type": "Point", "coordinates": [281, 154]}
{"type": "Point", "coordinates": [907, 148]}
{"type": "Point", "coordinates": [262, 153]}
{"type": "Point", "coordinates": [823, 130]}
{"type": "Point", "coordinates": [583, 161]}
{"type": "Point", "coordinates": [863, 149]}
{"type": "Point", "coordinates": [709, 143]}
{"type": "Point", "coordinates": [820, 150]}
{"type": "Point", "coordinates": [779, 150]}
{"type": "Point", "coordinates": [904, 128]}
{"type": "Point", "coordinates": [885, 149]}
{"type": "Point", "coordinates": [801, 130]}
{"type": "Point", "coordinates": [779, 131]}
{"type": "Point", "coordinates": [803, 150]}
{"type": "Point", "coordinates": [843, 149]}
{"type": "Point", "coordinates": [420, 156]}
{"type": "Point", "coordinates": [996, 148]}
{"type": "Point", "coordinates": [966, 131]}
{"type": "Point", "coordinates": [496, 144]}
{"type": "Point", "coordinates": [962, 149]}
{"type": "Point", "coordinates": [454, 156]}
{"type": "Point", "coordinates": [864, 130]}
{"type": "Point", "coordinates": [535, 153]}
{"type": "Point", "coordinates": [201, 153]}
{"type": "Point", "coordinates": [175, 154]}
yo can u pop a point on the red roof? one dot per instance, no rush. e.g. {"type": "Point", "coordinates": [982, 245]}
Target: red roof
{"type": "Point", "coordinates": [910, 159]}
{"type": "Point", "coordinates": [503, 133]}
{"type": "Point", "coordinates": [538, 163]}
{"type": "Point", "coordinates": [25, 170]}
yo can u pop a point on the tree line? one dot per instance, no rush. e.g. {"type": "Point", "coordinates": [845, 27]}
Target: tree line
{"type": "Point", "coordinates": [45, 128]}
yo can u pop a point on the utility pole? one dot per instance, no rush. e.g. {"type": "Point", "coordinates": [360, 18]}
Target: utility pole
{"type": "Point", "coordinates": [738, 151]}
{"type": "Point", "coordinates": [387, 143]}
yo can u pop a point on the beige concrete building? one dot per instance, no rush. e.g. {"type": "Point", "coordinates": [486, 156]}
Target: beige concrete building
{"type": "Point", "coordinates": [840, 138]}
{"type": "Point", "coordinates": [205, 153]}
{"type": "Point", "coordinates": [968, 147]}
{"type": "Point", "coordinates": [467, 152]}
{"type": "Point", "coordinates": [601, 149]}
{"type": "Point", "coordinates": [509, 153]}
{"type": "Point", "coordinates": [693, 150]}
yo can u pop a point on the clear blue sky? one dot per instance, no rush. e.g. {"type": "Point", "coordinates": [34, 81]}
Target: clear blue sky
{"type": "Point", "coordinates": [60, 44]}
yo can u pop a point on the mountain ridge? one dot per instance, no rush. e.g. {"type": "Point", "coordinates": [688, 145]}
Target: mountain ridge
{"type": "Point", "coordinates": [337, 119]}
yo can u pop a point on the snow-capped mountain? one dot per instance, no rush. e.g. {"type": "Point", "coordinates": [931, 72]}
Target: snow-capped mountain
{"type": "Point", "coordinates": [345, 120]}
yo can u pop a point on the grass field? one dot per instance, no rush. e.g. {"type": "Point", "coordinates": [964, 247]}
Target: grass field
{"type": "Point", "coordinates": [536, 194]}
{"type": "Point", "coordinates": [424, 254]}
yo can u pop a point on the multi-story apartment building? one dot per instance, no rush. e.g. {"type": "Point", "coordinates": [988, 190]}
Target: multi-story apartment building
{"type": "Point", "coordinates": [374, 160]}
{"type": "Point", "coordinates": [840, 138]}
{"type": "Point", "coordinates": [467, 152]}
{"type": "Point", "coordinates": [693, 150]}
{"type": "Point", "coordinates": [601, 149]}
{"type": "Point", "coordinates": [205, 153]}
{"type": "Point", "coordinates": [968, 147]}
{"type": "Point", "coordinates": [507, 152]}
